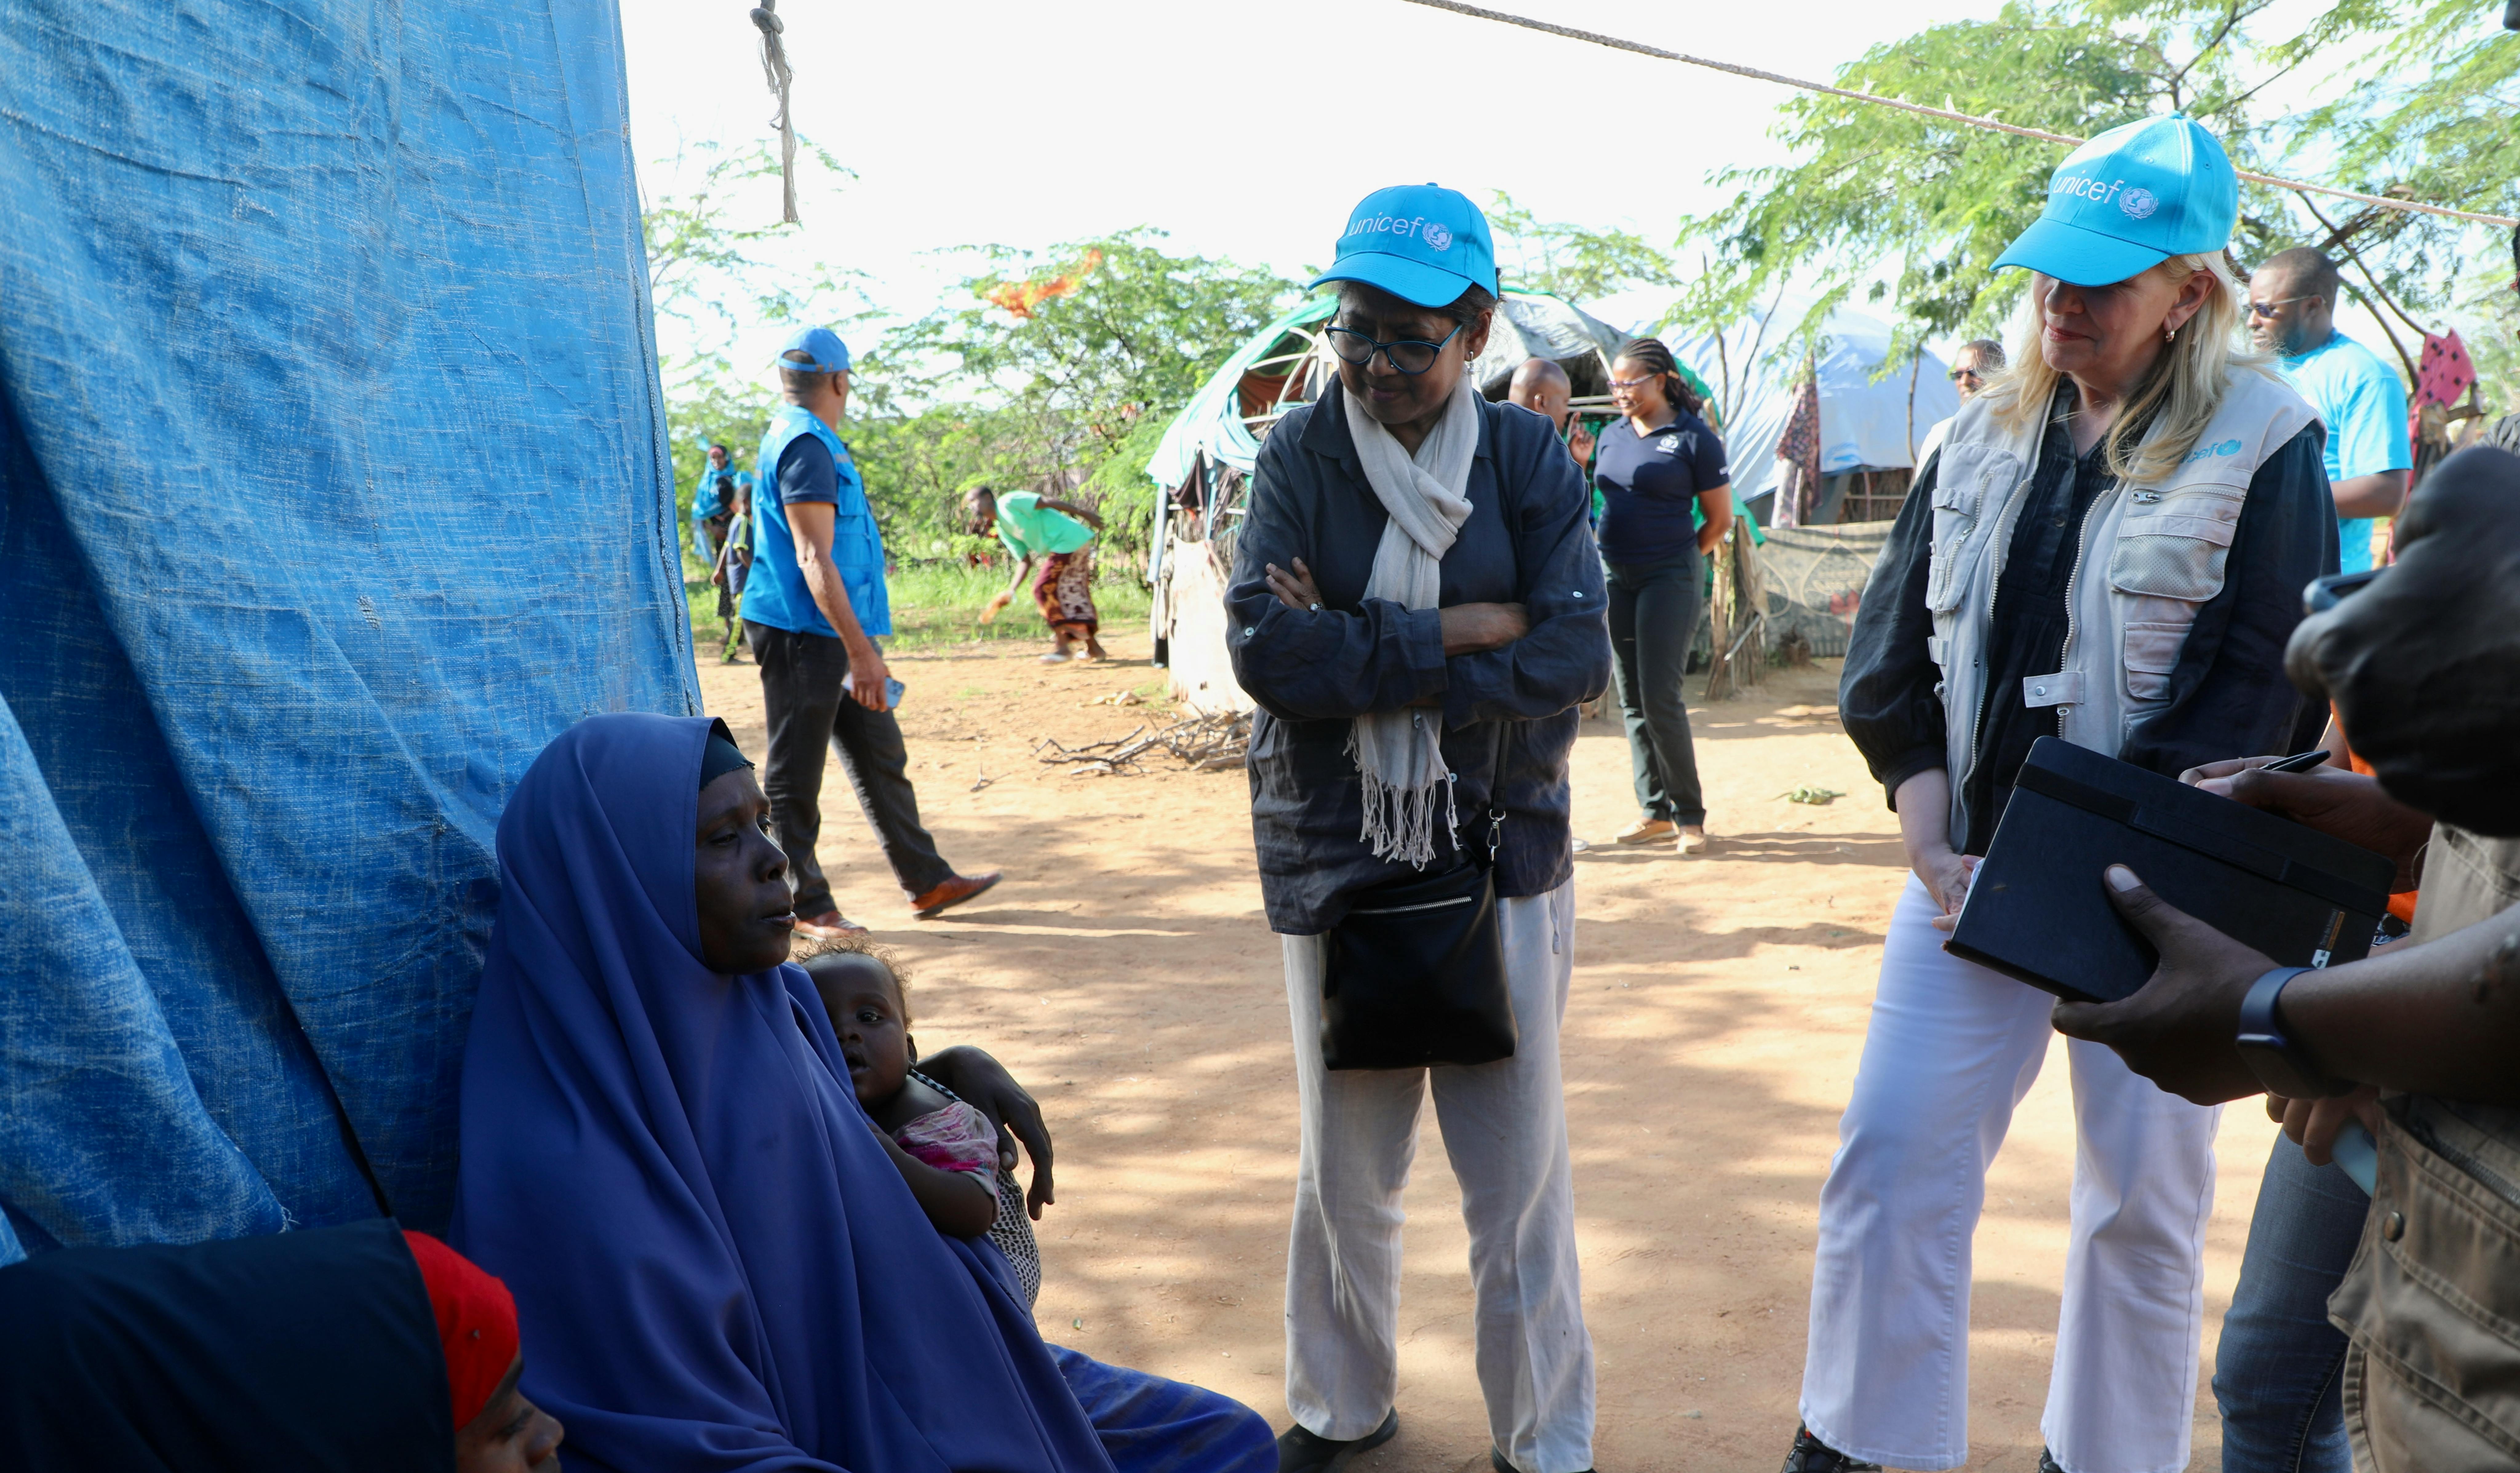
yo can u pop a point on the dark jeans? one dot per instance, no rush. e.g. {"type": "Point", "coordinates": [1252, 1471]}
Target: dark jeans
{"type": "Point", "coordinates": [802, 694]}
{"type": "Point", "coordinates": [1653, 616]}
{"type": "Point", "coordinates": [2275, 1374]}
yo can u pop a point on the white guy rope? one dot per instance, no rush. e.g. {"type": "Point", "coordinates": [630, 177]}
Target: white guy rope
{"type": "Point", "coordinates": [1945, 114]}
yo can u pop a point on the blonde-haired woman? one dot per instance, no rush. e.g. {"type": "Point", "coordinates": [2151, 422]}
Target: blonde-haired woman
{"type": "Point", "coordinates": [2109, 547]}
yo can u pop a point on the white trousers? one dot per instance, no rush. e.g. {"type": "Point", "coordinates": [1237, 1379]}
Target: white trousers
{"type": "Point", "coordinates": [1951, 1050]}
{"type": "Point", "coordinates": [1504, 1129]}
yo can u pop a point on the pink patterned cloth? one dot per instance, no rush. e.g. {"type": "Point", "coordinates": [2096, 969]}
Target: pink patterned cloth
{"type": "Point", "coordinates": [2443, 375]}
{"type": "Point", "coordinates": [1799, 448]}
{"type": "Point", "coordinates": [955, 1138]}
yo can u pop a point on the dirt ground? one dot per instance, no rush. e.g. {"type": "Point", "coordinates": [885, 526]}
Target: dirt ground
{"type": "Point", "coordinates": [1125, 972]}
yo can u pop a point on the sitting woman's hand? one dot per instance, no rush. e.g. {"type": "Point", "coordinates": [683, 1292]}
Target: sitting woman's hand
{"type": "Point", "coordinates": [986, 1086]}
{"type": "Point", "coordinates": [1475, 628]}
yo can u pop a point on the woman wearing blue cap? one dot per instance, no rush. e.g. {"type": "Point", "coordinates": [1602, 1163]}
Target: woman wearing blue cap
{"type": "Point", "coordinates": [1417, 606]}
{"type": "Point", "coordinates": [2109, 547]}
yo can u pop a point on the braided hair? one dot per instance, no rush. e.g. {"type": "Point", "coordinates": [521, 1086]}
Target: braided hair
{"type": "Point", "coordinates": [1649, 355]}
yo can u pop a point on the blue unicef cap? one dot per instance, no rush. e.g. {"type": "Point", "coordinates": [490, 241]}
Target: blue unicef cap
{"type": "Point", "coordinates": [2130, 200]}
{"type": "Point", "coordinates": [830, 354]}
{"type": "Point", "coordinates": [1422, 242]}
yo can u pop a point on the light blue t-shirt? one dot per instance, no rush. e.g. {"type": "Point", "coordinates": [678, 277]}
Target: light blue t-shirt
{"type": "Point", "coordinates": [2364, 406]}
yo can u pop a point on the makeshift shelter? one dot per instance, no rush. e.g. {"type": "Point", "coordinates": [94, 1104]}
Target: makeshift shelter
{"type": "Point", "coordinates": [1813, 573]}
{"type": "Point", "coordinates": [1869, 422]}
{"type": "Point", "coordinates": [1202, 465]}
{"type": "Point", "coordinates": [334, 483]}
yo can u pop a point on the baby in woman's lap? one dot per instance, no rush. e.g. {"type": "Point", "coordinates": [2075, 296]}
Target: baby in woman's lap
{"type": "Point", "coordinates": [946, 1150]}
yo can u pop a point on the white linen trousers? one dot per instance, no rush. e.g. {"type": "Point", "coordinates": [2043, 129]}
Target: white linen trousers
{"type": "Point", "coordinates": [1951, 1050]}
{"type": "Point", "coordinates": [1505, 1130]}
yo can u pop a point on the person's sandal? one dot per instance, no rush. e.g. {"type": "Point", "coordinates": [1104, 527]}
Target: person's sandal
{"type": "Point", "coordinates": [1691, 843]}
{"type": "Point", "coordinates": [1304, 1451]}
{"type": "Point", "coordinates": [831, 925]}
{"type": "Point", "coordinates": [955, 890]}
{"type": "Point", "coordinates": [1497, 1461]}
{"type": "Point", "coordinates": [1812, 1456]}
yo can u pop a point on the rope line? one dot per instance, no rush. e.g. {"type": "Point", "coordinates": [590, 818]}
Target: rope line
{"type": "Point", "coordinates": [775, 71]}
{"type": "Point", "coordinates": [1596, 39]}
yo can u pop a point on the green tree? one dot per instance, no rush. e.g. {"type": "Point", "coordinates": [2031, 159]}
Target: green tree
{"type": "Point", "coordinates": [1867, 184]}
{"type": "Point", "coordinates": [1136, 331]}
{"type": "Point", "coordinates": [1106, 340]}
{"type": "Point", "coordinates": [717, 277]}
{"type": "Point", "coordinates": [1571, 261]}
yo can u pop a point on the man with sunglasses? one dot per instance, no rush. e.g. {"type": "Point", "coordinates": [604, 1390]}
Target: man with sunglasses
{"type": "Point", "coordinates": [2292, 313]}
{"type": "Point", "coordinates": [1977, 360]}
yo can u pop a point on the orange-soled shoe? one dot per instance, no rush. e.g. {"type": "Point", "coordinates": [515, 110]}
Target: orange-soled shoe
{"type": "Point", "coordinates": [954, 891]}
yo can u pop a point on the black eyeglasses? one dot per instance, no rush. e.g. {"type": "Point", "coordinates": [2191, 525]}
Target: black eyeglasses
{"type": "Point", "coordinates": [1409, 355]}
{"type": "Point", "coordinates": [1956, 374]}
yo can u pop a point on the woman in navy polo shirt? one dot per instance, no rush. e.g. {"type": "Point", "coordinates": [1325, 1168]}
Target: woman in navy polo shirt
{"type": "Point", "coordinates": [1666, 498]}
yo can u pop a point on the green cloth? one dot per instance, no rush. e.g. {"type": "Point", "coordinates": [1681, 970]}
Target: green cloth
{"type": "Point", "coordinates": [1030, 529]}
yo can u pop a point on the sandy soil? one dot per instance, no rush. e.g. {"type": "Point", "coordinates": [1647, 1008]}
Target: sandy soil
{"type": "Point", "coordinates": [1124, 970]}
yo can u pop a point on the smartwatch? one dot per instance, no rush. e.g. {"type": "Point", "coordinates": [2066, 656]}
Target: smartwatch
{"type": "Point", "coordinates": [2279, 1062]}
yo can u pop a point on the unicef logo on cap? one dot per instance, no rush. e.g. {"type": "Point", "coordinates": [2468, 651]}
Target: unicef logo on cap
{"type": "Point", "coordinates": [2138, 203]}
{"type": "Point", "coordinates": [1437, 236]}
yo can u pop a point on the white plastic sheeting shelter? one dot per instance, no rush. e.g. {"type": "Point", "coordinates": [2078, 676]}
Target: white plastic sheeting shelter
{"type": "Point", "coordinates": [1864, 422]}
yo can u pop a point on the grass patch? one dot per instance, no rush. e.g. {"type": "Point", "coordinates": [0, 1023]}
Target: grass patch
{"type": "Point", "coordinates": [940, 604]}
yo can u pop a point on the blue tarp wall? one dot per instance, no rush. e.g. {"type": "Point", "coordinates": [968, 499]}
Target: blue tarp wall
{"type": "Point", "coordinates": [333, 485]}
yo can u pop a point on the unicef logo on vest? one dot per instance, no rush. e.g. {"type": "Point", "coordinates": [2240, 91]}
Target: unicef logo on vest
{"type": "Point", "coordinates": [2138, 203]}
{"type": "Point", "coordinates": [1437, 236]}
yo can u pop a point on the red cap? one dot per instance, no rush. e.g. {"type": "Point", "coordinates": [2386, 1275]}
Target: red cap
{"type": "Point", "coordinates": [476, 1323]}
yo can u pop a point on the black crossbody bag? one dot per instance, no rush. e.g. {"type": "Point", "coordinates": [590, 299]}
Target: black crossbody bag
{"type": "Point", "coordinates": [1415, 973]}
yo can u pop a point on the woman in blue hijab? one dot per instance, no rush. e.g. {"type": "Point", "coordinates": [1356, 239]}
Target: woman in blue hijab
{"type": "Point", "coordinates": [715, 1260]}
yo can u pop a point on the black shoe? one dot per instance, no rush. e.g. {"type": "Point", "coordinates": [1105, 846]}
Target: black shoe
{"type": "Point", "coordinates": [1812, 1456]}
{"type": "Point", "coordinates": [1302, 1450]}
{"type": "Point", "coordinates": [2048, 1462]}
{"type": "Point", "coordinates": [1496, 1460]}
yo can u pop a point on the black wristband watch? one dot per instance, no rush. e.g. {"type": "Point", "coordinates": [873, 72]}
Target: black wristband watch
{"type": "Point", "coordinates": [2277, 1061]}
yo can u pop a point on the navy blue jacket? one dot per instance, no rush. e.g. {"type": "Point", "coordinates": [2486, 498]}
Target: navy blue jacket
{"type": "Point", "coordinates": [1509, 714]}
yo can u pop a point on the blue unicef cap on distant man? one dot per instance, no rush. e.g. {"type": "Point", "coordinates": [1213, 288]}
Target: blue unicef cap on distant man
{"type": "Point", "coordinates": [2130, 200]}
{"type": "Point", "coordinates": [822, 346]}
{"type": "Point", "coordinates": [1422, 242]}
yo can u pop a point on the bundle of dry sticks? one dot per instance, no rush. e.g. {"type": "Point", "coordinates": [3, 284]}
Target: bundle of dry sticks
{"type": "Point", "coordinates": [1206, 744]}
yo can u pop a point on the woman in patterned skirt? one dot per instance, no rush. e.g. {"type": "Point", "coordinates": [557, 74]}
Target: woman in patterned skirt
{"type": "Point", "coordinates": [1052, 542]}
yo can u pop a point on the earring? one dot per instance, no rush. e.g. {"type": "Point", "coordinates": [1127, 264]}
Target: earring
{"type": "Point", "coordinates": [2170, 334]}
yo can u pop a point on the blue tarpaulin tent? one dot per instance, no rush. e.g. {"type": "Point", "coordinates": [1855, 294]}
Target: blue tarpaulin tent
{"type": "Point", "coordinates": [333, 485]}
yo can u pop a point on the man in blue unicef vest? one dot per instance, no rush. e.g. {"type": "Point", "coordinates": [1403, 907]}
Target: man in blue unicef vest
{"type": "Point", "coordinates": [812, 611]}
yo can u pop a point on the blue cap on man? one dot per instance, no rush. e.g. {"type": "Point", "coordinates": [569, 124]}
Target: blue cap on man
{"type": "Point", "coordinates": [1422, 242]}
{"type": "Point", "coordinates": [2128, 199]}
{"type": "Point", "coordinates": [820, 345]}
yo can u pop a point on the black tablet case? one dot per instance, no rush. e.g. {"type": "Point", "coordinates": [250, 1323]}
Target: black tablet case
{"type": "Point", "coordinates": [2037, 910]}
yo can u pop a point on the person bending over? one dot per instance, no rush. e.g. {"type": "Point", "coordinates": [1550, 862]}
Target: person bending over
{"type": "Point", "coordinates": [663, 1155]}
{"type": "Point", "coordinates": [1058, 536]}
{"type": "Point", "coordinates": [952, 1157]}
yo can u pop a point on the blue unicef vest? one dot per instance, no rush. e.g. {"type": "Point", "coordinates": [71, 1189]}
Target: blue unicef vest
{"type": "Point", "coordinates": [782, 600]}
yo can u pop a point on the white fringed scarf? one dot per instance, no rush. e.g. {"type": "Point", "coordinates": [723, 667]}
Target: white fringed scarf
{"type": "Point", "coordinates": [1400, 753]}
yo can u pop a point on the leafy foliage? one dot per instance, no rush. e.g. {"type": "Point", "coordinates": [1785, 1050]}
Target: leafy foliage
{"type": "Point", "coordinates": [1114, 336]}
{"type": "Point", "coordinates": [1571, 261]}
{"type": "Point", "coordinates": [1870, 184]}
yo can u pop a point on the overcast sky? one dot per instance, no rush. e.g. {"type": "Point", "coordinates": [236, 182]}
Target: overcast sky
{"type": "Point", "coordinates": [1244, 130]}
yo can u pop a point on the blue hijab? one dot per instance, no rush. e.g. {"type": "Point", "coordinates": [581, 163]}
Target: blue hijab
{"type": "Point", "coordinates": [715, 1265]}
